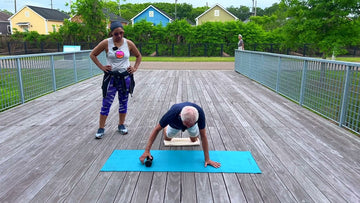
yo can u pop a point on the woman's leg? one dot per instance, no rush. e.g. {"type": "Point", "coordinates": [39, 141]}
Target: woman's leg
{"type": "Point", "coordinates": [106, 104]}
{"type": "Point", "coordinates": [123, 102]}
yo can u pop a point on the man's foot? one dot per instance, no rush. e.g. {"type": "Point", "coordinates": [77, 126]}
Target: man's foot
{"type": "Point", "coordinates": [100, 133]}
{"type": "Point", "coordinates": [122, 129]}
{"type": "Point", "coordinates": [164, 133]}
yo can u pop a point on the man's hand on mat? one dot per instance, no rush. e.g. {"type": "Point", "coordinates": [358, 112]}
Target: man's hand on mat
{"type": "Point", "coordinates": [144, 155]}
{"type": "Point", "coordinates": [213, 164]}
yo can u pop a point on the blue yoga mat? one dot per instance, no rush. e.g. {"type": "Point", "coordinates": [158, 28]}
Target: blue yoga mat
{"type": "Point", "coordinates": [182, 161]}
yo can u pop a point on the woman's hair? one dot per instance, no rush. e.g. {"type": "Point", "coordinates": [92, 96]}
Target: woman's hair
{"type": "Point", "coordinates": [240, 35]}
{"type": "Point", "coordinates": [189, 114]}
{"type": "Point", "coordinates": [115, 24]}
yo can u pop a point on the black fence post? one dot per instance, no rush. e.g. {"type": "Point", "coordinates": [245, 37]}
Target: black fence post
{"type": "Point", "coordinates": [222, 50]}
{"type": "Point", "coordinates": [189, 50]}
{"type": "Point", "coordinates": [354, 51]}
{"type": "Point", "coordinates": [157, 51]}
{"type": "Point", "coordinates": [25, 47]}
{"type": "Point", "coordinates": [205, 49]}
{"type": "Point", "coordinates": [140, 48]}
{"type": "Point", "coordinates": [9, 47]}
{"type": "Point", "coordinates": [173, 49]}
{"type": "Point", "coordinates": [42, 46]}
{"type": "Point", "coordinates": [304, 51]}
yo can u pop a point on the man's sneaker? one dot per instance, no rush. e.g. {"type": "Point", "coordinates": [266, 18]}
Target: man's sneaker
{"type": "Point", "coordinates": [100, 133]}
{"type": "Point", "coordinates": [122, 129]}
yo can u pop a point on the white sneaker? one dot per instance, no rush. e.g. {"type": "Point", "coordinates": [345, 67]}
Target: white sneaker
{"type": "Point", "coordinates": [122, 129]}
{"type": "Point", "coordinates": [100, 133]}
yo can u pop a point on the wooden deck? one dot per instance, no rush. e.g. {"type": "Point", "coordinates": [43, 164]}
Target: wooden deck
{"type": "Point", "coordinates": [48, 152]}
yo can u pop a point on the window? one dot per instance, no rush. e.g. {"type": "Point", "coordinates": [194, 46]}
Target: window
{"type": "Point", "coordinates": [8, 29]}
{"type": "Point", "coordinates": [24, 26]}
{"type": "Point", "coordinates": [216, 13]}
{"type": "Point", "coordinates": [27, 14]}
{"type": "Point", "coordinates": [151, 14]}
{"type": "Point", "coordinates": [54, 28]}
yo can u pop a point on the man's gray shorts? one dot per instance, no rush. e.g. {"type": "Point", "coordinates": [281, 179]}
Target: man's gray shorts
{"type": "Point", "coordinates": [172, 132]}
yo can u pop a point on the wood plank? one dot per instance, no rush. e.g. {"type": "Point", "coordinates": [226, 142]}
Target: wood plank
{"type": "Point", "coordinates": [48, 151]}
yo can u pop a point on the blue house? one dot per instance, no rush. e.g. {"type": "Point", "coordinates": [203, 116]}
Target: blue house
{"type": "Point", "coordinates": [154, 15]}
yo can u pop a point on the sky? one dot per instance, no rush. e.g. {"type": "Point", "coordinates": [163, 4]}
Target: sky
{"type": "Point", "coordinates": [60, 4]}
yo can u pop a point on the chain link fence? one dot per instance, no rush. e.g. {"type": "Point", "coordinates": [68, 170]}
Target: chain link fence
{"type": "Point", "coordinates": [27, 77]}
{"type": "Point", "coordinates": [330, 88]}
{"type": "Point", "coordinates": [176, 50]}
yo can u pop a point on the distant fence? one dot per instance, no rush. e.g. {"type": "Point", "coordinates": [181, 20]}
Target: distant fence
{"type": "Point", "coordinates": [20, 48]}
{"type": "Point", "coordinates": [170, 49]}
{"type": "Point", "coordinates": [26, 77]}
{"type": "Point", "coordinates": [330, 88]}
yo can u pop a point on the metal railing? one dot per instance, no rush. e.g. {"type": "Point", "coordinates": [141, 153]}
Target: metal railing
{"type": "Point", "coordinates": [26, 77]}
{"type": "Point", "coordinates": [330, 88]}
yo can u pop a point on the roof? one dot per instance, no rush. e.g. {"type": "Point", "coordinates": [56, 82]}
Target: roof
{"type": "Point", "coordinates": [4, 16]}
{"type": "Point", "coordinates": [49, 14]}
{"type": "Point", "coordinates": [113, 17]}
{"type": "Point", "coordinates": [158, 10]}
{"type": "Point", "coordinates": [212, 8]}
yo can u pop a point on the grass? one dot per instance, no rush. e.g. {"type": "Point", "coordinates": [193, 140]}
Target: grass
{"type": "Point", "coordinates": [349, 59]}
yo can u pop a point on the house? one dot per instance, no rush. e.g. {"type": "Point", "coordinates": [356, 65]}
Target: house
{"type": "Point", "coordinates": [154, 15]}
{"type": "Point", "coordinates": [110, 16]}
{"type": "Point", "coordinates": [215, 14]}
{"type": "Point", "coordinates": [42, 20]}
{"type": "Point", "coordinates": [4, 24]}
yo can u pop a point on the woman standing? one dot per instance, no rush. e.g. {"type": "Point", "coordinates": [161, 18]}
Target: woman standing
{"type": "Point", "coordinates": [118, 74]}
{"type": "Point", "coordinates": [240, 43]}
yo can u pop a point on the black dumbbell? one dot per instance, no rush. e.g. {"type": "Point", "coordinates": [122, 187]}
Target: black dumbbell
{"type": "Point", "coordinates": [148, 161]}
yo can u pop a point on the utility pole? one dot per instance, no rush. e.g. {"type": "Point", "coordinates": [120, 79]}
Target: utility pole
{"type": "Point", "coordinates": [15, 5]}
{"type": "Point", "coordinates": [119, 8]}
{"type": "Point", "coordinates": [254, 7]}
{"type": "Point", "coordinates": [175, 9]}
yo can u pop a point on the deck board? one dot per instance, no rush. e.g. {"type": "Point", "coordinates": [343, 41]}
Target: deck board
{"type": "Point", "coordinates": [48, 151]}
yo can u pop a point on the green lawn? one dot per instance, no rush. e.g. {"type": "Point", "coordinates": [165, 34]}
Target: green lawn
{"type": "Point", "coordinates": [349, 59]}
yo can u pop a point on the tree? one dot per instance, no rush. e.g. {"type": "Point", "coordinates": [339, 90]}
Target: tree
{"type": "Point", "coordinates": [129, 10]}
{"type": "Point", "coordinates": [242, 12]}
{"type": "Point", "coordinates": [178, 31]}
{"type": "Point", "coordinates": [322, 23]}
{"type": "Point", "coordinates": [272, 9]}
{"type": "Point", "coordinates": [92, 17]}
{"type": "Point", "coordinates": [6, 11]}
{"type": "Point", "coordinates": [266, 22]}
{"type": "Point", "coordinates": [140, 32]}
{"type": "Point", "coordinates": [274, 17]}
{"type": "Point", "coordinates": [183, 10]}
{"type": "Point", "coordinates": [70, 32]}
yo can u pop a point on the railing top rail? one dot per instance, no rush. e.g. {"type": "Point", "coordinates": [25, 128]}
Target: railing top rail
{"type": "Point", "coordinates": [42, 54]}
{"type": "Point", "coordinates": [304, 58]}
